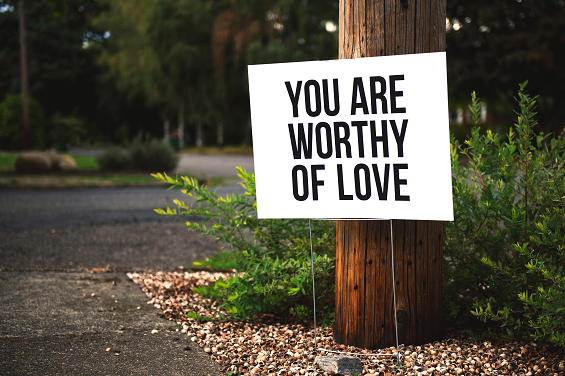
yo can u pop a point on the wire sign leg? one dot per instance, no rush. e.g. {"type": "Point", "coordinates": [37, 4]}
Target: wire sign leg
{"type": "Point", "coordinates": [314, 299]}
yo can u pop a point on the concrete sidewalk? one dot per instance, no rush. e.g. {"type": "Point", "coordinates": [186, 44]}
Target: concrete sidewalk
{"type": "Point", "coordinates": [89, 324]}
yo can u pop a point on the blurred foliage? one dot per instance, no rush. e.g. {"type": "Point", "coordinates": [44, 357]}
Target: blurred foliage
{"type": "Point", "coordinates": [153, 155]}
{"type": "Point", "coordinates": [180, 74]}
{"type": "Point", "coordinates": [192, 55]}
{"type": "Point", "coordinates": [114, 159]}
{"type": "Point", "coordinates": [11, 123]}
{"type": "Point", "coordinates": [117, 64]}
{"type": "Point", "coordinates": [492, 45]}
{"type": "Point", "coordinates": [66, 130]}
{"type": "Point", "coordinates": [63, 72]}
{"type": "Point", "coordinates": [143, 155]}
{"type": "Point", "coordinates": [125, 54]}
{"type": "Point", "coordinates": [58, 65]}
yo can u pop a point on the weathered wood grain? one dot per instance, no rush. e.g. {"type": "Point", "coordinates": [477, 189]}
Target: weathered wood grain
{"type": "Point", "coordinates": [364, 299]}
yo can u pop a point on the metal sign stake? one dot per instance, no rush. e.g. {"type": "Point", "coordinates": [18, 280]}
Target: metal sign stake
{"type": "Point", "coordinates": [314, 299]}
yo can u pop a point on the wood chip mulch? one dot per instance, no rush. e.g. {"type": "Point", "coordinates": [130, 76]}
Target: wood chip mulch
{"type": "Point", "coordinates": [268, 347]}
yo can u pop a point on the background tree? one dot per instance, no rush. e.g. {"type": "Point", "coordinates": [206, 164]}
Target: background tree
{"type": "Point", "coordinates": [493, 45]}
{"type": "Point", "coordinates": [126, 66]}
{"type": "Point", "coordinates": [24, 76]}
{"type": "Point", "coordinates": [126, 60]}
{"type": "Point", "coordinates": [260, 32]}
{"type": "Point", "coordinates": [59, 68]}
{"type": "Point", "coordinates": [64, 75]}
{"type": "Point", "coordinates": [179, 33]}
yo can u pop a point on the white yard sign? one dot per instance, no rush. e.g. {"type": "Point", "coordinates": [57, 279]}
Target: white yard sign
{"type": "Point", "coordinates": [361, 138]}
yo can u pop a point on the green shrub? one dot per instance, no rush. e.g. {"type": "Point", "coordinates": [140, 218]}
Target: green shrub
{"type": "Point", "coordinates": [509, 216]}
{"type": "Point", "coordinates": [11, 123]}
{"type": "Point", "coordinates": [153, 155]}
{"type": "Point", "coordinates": [114, 159]}
{"type": "Point", "coordinates": [273, 255]}
{"type": "Point", "coordinates": [218, 261]}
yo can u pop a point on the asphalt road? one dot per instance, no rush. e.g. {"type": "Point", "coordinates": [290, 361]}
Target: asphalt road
{"type": "Point", "coordinates": [87, 207]}
{"type": "Point", "coordinates": [113, 229]}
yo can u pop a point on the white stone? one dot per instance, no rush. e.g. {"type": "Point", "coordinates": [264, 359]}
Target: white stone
{"type": "Point", "coordinates": [340, 364]}
{"type": "Point", "coordinates": [33, 162]}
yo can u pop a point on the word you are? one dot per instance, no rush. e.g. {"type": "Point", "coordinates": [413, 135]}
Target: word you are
{"type": "Point", "coordinates": [375, 139]}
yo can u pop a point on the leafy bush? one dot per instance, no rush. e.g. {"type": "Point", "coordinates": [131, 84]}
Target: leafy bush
{"type": "Point", "coordinates": [150, 155]}
{"type": "Point", "coordinates": [273, 255]}
{"type": "Point", "coordinates": [509, 216]}
{"type": "Point", "coordinates": [114, 159]}
{"type": "Point", "coordinates": [219, 261]}
{"type": "Point", "coordinates": [153, 155]}
{"type": "Point", "coordinates": [11, 123]}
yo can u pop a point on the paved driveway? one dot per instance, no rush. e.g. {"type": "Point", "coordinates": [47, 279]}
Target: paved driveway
{"type": "Point", "coordinates": [198, 164]}
{"type": "Point", "coordinates": [214, 165]}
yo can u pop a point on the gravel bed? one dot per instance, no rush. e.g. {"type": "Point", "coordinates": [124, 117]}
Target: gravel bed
{"type": "Point", "coordinates": [268, 347]}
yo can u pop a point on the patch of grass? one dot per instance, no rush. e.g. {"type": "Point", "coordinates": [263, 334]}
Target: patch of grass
{"type": "Point", "coordinates": [84, 163]}
{"type": "Point", "coordinates": [221, 260]}
{"type": "Point", "coordinates": [7, 161]}
{"type": "Point", "coordinates": [77, 181]}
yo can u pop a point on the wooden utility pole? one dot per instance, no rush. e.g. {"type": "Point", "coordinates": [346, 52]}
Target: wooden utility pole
{"type": "Point", "coordinates": [24, 79]}
{"type": "Point", "coordinates": [364, 314]}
